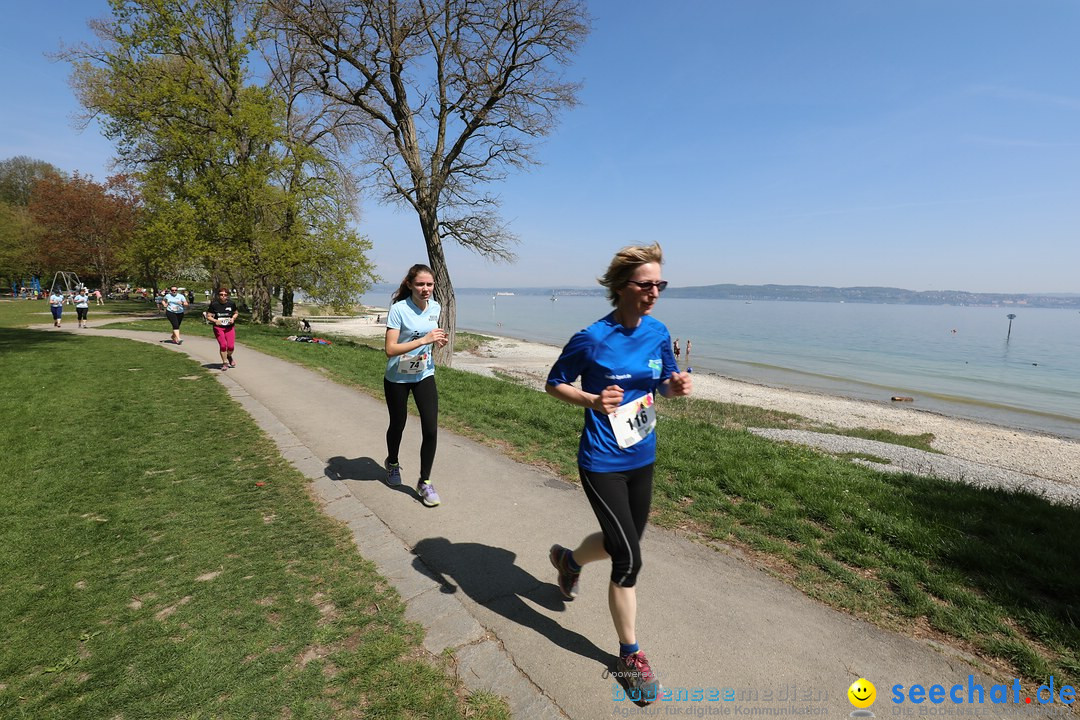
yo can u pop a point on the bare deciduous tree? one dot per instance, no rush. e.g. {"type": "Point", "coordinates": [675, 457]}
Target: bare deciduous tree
{"type": "Point", "coordinates": [448, 96]}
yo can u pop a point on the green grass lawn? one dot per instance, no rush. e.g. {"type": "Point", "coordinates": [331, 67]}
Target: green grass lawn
{"type": "Point", "coordinates": [992, 572]}
{"type": "Point", "coordinates": [160, 560]}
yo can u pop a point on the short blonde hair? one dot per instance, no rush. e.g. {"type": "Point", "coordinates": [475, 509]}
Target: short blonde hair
{"type": "Point", "coordinates": [625, 263]}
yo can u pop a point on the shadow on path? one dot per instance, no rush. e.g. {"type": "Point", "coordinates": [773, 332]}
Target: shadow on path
{"type": "Point", "coordinates": [364, 469]}
{"type": "Point", "coordinates": [489, 576]}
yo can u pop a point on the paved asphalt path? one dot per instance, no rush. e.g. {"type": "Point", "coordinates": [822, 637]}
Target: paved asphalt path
{"type": "Point", "coordinates": [475, 573]}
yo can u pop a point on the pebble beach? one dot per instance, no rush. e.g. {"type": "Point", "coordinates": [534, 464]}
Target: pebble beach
{"type": "Point", "coordinates": [988, 454]}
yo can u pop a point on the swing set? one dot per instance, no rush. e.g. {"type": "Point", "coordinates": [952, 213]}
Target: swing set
{"type": "Point", "coordinates": [67, 282]}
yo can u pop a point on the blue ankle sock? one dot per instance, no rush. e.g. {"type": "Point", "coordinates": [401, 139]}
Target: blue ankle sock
{"type": "Point", "coordinates": [625, 650]}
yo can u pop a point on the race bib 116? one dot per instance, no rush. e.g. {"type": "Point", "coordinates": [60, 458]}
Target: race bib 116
{"type": "Point", "coordinates": [633, 421]}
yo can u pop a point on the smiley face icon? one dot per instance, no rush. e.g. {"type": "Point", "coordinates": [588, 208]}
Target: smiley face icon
{"type": "Point", "coordinates": [862, 693]}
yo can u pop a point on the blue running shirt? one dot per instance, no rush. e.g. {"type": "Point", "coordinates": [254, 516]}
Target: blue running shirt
{"type": "Point", "coordinates": [636, 359]}
{"type": "Point", "coordinates": [412, 323]}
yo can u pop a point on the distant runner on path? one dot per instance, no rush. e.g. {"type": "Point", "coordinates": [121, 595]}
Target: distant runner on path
{"type": "Point", "coordinates": [622, 360]}
{"type": "Point", "coordinates": [56, 306]}
{"type": "Point", "coordinates": [82, 306]}
{"type": "Point", "coordinates": [175, 304]}
{"type": "Point", "coordinates": [222, 314]}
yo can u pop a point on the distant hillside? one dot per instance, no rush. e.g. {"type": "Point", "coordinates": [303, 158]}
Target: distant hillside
{"type": "Point", "coordinates": [816, 293]}
{"type": "Point", "coordinates": [887, 295]}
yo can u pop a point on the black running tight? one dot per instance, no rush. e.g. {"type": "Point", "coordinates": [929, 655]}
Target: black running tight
{"type": "Point", "coordinates": [621, 502]}
{"type": "Point", "coordinates": [426, 396]}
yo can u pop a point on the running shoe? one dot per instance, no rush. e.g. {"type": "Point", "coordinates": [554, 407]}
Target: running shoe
{"type": "Point", "coordinates": [393, 473]}
{"type": "Point", "coordinates": [634, 672]}
{"type": "Point", "coordinates": [427, 493]}
{"type": "Point", "coordinates": [179, 342]}
{"type": "Point", "coordinates": [232, 363]}
{"type": "Point", "coordinates": [224, 367]}
{"type": "Point", "coordinates": [568, 579]}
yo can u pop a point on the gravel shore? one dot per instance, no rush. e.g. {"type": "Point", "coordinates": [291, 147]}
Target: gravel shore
{"type": "Point", "coordinates": [981, 453]}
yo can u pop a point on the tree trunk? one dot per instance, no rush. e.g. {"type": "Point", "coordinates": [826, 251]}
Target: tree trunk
{"type": "Point", "coordinates": [287, 300]}
{"type": "Point", "coordinates": [444, 289]}
{"type": "Point", "coordinates": [261, 306]}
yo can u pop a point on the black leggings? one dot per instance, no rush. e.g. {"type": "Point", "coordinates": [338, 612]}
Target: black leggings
{"type": "Point", "coordinates": [426, 396]}
{"type": "Point", "coordinates": [175, 319]}
{"type": "Point", "coordinates": [621, 502]}
{"type": "Point", "coordinates": [81, 312]}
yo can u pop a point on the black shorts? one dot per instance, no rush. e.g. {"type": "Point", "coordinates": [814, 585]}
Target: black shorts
{"type": "Point", "coordinates": [175, 319]}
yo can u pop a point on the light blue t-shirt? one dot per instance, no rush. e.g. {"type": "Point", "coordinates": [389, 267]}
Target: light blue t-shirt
{"type": "Point", "coordinates": [175, 303]}
{"type": "Point", "coordinates": [606, 353]}
{"type": "Point", "coordinates": [412, 323]}
{"type": "Point", "coordinates": [81, 301]}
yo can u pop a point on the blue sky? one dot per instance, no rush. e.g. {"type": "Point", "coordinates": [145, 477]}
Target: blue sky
{"type": "Point", "coordinates": [924, 144]}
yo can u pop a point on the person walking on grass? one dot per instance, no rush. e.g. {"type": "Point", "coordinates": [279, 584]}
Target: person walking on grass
{"type": "Point", "coordinates": [56, 307]}
{"type": "Point", "coordinates": [623, 360]}
{"type": "Point", "coordinates": [82, 305]}
{"type": "Point", "coordinates": [222, 314]}
{"type": "Point", "coordinates": [412, 332]}
{"type": "Point", "coordinates": [175, 304]}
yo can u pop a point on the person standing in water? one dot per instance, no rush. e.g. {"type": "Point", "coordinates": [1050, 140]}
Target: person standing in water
{"type": "Point", "coordinates": [623, 359]}
{"type": "Point", "coordinates": [412, 333]}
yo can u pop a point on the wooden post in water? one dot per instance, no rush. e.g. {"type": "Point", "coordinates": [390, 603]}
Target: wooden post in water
{"type": "Point", "coordinates": [1011, 317]}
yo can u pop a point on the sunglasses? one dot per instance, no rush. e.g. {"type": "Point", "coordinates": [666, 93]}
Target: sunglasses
{"type": "Point", "coordinates": [647, 286]}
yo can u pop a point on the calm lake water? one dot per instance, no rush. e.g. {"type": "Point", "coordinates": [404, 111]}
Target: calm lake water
{"type": "Point", "coordinates": [953, 360]}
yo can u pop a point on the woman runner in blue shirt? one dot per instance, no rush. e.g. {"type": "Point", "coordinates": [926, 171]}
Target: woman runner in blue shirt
{"type": "Point", "coordinates": [412, 329]}
{"type": "Point", "coordinates": [175, 305]}
{"type": "Point", "coordinates": [622, 360]}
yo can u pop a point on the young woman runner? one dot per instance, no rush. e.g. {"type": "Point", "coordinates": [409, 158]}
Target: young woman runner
{"type": "Point", "coordinates": [412, 332]}
{"type": "Point", "coordinates": [622, 359]}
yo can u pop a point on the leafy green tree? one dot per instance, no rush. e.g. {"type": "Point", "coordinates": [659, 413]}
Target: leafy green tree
{"type": "Point", "coordinates": [18, 175]}
{"type": "Point", "coordinates": [160, 249]}
{"type": "Point", "coordinates": [19, 235]}
{"type": "Point", "coordinates": [172, 80]}
{"type": "Point", "coordinates": [19, 240]}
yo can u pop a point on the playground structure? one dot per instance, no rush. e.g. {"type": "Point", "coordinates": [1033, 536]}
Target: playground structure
{"type": "Point", "coordinates": [67, 282]}
{"type": "Point", "coordinates": [27, 289]}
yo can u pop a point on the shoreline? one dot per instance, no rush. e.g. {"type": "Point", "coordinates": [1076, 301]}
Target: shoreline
{"type": "Point", "coordinates": [1023, 451]}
